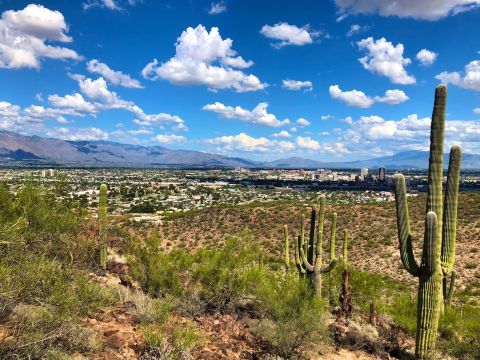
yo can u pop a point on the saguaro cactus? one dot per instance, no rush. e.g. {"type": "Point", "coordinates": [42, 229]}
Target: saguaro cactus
{"type": "Point", "coordinates": [440, 231]}
{"type": "Point", "coordinates": [102, 225]}
{"type": "Point", "coordinates": [287, 252]}
{"type": "Point", "coordinates": [308, 254]}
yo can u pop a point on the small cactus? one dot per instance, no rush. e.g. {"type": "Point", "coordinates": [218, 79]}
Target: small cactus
{"type": "Point", "coordinates": [308, 254]}
{"type": "Point", "coordinates": [440, 233]}
{"type": "Point", "coordinates": [102, 225]}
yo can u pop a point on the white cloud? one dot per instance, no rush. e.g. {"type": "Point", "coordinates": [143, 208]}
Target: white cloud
{"type": "Point", "coordinates": [204, 58]}
{"type": "Point", "coordinates": [409, 133]}
{"type": "Point", "coordinates": [307, 143]}
{"type": "Point", "coordinates": [24, 33]}
{"type": "Point", "coordinates": [359, 99]}
{"type": "Point", "coordinates": [392, 97]}
{"type": "Point", "coordinates": [75, 102]}
{"type": "Point", "coordinates": [337, 148]}
{"type": "Point", "coordinates": [324, 133]}
{"type": "Point", "coordinates": [356, 29]}
{"type": "Point", "coordinates": [354, 98]}
{"type": "Point", "coordinates": [476, 111]}
{"type": "Point", "coordinates": [9, 110]}
{"type": "Point", "coordinates": [75, 134]}
{"type": "Point", "coordinates": [426, 57]}
{"type": "Point", "coordinates": [469, 80]}
{"type": "Point", "coordinates": [302, 122]}
{"type": "Point", "coordinates": [386, 60]}
{"type": "Point", "coordinates": [282, 134]}
{"type": "Point", "coordinates": [326, 117]}
{"type": "Point", "coordinates": [169, 139]}
{"type": "Point", "coordinates": [244, 142]}
{"type": "Point", "coordinates": [217, 8]}
{"type": "Point", "coordinates": [114, 77]}
{"type": "Point", "coordinates": [289, 34]}
{"type": "Point", "coordinates": [423, 10]}
{"type": "Point", "coordinates": [109, 4]}
{"type": "Point", "coordinates": [140, 132]}
{"type": "Point", "coordinates": [297, 85]}
{"type": "Point", "coordinates": [104, 99]}
{"type": "Point", "coordinates": [258, 115]}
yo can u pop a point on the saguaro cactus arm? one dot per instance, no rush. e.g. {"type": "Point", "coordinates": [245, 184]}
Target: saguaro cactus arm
{"type": "Point", "coordinates": [448, 292]}
{"type": "Point", "coordinates": [287, 252]}
{"type": "Point", "coordinates": [298, 260]}
{"type": "Point", "coordinates": [102, 225]}
{"type": "Point", "coordinates": [311, 239]}
{"type": "Point", "coordinates": [403, 226]}
{"type": "Point", "coordinates": [449, 228]}
{"type": "Point", "coordinates": [429, 247]}
{"type": "Point", "coordinates": [333, 236]}
{"type": "Point", "coordinates": [307, 265]}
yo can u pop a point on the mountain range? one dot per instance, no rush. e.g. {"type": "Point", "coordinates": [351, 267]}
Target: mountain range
{"type": "Point", "coordinates": [16, 148]}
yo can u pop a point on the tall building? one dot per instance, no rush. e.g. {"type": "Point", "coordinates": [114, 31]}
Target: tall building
{"type": "Point", "coordinates": [381, 174]}
{"type": "Point", "coordinates": [363, 173]}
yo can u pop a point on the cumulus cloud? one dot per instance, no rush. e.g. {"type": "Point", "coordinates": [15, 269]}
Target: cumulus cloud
{"type": "Point", "coordinates": [217, 8]}
{"type": "Point", "coordinates": [25, 34]}
{"type": "Point", "coordinates": [386, 60]}
{"type": "Point", "coordinates": [469, 80]}
{"type": "Point", "coordinates": [423, 10]}
{"type": "Point", "coordinates": [287, 34]}
{"type": "Point", "coordinates": [282, 134]}
{"type": "Point", "coordinates": [307, 143]}
{"type": "Point", "coordinates": [204, 58]}
{"type": "Point", "coordinates": [476, 111]}
{"type": "Point", "coordinates": [114, 77]}
{"type": "Point", "coordinates": [76, 102]}
{"type": "Point", "coordinates": [426, 57]}
{"type": "Point", "coordinates": [297, 85]}
{"type": "Point", "coordinates": [302, 122]}
{"type": "Point", "coordinates": [357, 98]}
{"type": "Point", "coordinates": [168, 139]}
{"type": "Point", "coordinates": [409, 133]}
{"type": "Point", "coordinates": [258, 115]}
{"type": "Point", "coordinates": [247, 143]}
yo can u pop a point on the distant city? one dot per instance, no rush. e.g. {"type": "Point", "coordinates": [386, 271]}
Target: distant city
{"type": "Point", "coordinates": [149, 194]}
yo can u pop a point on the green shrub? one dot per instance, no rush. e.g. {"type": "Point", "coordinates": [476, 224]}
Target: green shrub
{"type": "Point", "coordinates": [294, 319]}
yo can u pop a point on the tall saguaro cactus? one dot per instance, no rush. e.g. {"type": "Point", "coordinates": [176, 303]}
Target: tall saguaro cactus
{"type": "Point", "coordinates": [102, 225]}
{"type": "Point", "coordinates": [308, 253]}
{"type": "Point", "coordinates": [440, 231]}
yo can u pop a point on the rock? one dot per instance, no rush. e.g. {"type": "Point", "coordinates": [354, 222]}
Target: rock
{"type": "Point", "coordinates": [92, 321]}
{"type": "Point", "coordinates": [121, 339]}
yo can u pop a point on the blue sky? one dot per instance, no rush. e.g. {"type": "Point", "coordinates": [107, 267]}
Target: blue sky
{"type": "Point", "coordinates": [329, 80]}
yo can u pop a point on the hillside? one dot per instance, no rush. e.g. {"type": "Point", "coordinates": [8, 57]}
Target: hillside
{"type": "Point", "coordinates": [16, 148]}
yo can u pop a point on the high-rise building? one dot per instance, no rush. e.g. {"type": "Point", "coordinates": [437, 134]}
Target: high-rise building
{"type": "Point", "coordinates": [381, 174]}
{"type": "Point", "coordinates": [363, 173]}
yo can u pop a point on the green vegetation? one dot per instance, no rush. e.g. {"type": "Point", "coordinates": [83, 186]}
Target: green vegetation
{"type": "Point", "coordinates": [44, 287]}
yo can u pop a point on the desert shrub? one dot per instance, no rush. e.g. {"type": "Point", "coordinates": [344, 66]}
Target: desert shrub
{"type": "Point", "coordinates": [293, 319]}
{"type": "Point", "coordinates": [172, 343]}
{"type": "Point", "coordinates": [224, 275]}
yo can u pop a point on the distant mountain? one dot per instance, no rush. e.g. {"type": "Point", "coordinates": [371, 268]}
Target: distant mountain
{"type": "Point", "coordinates": [404, 160]}
{"type": "Point", "coordinates": [16, 148]}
